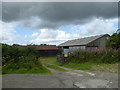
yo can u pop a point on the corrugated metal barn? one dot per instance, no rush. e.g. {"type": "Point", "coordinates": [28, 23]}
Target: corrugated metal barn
{"type": "Point", "coordinates": [47, 50]}
{"type": "Point", "coordinates": [88, 43]}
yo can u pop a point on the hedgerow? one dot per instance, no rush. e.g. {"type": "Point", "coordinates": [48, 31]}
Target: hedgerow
{"type": "Point", "coordinates": [98, 56]}
{"type": "Point", "coordinates": [16, 57]}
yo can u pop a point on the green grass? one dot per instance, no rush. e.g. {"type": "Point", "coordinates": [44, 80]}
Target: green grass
{"type": "Point", "coordinates": [25, 68]}
{"type": "Point", "coordinates": [106, 67]}
{"type": "Point", "coordinates": [51, 60]}
{"type": "Point", "coordinates": [0, 70]}
{"type": "Point", "coordinates": [34, 70]}
{"type": "Point", "coordinates": [48, 60]}
{"type": "Point", "coordinates": [89, 66]}
{"type": "Point", "coordinates": [55, 67]}
{"type": "Point", "coordinates": [83, 66]}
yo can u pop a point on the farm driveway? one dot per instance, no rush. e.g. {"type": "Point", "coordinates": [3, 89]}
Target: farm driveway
{"type": "Point", "coordinates": [68, 79]}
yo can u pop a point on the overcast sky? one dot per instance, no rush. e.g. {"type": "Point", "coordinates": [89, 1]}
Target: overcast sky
{"type": "Point", "coordinates": [56, 22]}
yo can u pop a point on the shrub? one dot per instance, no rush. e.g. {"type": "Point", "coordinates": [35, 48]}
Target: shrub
{"type": "Point", "coordinates": [30, 50]}
{"type": "Point", "coordinates": [99, 56]}
{"type": "Point", "coordinates": [16, 57]}
{"type": "Point", "coordinates": [114, 41]}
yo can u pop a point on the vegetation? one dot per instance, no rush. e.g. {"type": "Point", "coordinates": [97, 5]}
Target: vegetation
{"type": "Point", "coordinates": [89, 66]}
{"type": "Point", "coordinates": [34, 70]}
{"type": "Point", "coordinates": [114, 41]}
{"type": "Point", "coordinates": [79, 66]}
{"type": "Point", "coordinates": [51, 60]}
{"type": "Point", "coordinates": [55, 67]}
{"type": "Point", "coordinates": [47, 61]}
{"type": "Point", "coordinates": [107, 56]}
{"type": "Point", "coordinates": [106, 67]}
{"type": "Point", "coordinates": [17, 59]}
{"type": "Point", "coordinates": [102, 60]}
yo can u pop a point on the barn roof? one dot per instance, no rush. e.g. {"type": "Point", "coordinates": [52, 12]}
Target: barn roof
{"type": "Point", "coordinates": [47, 47]}
{"type": "Point", "coordinates": [40, 47]}
{"type": "Point", "coordinates": [81, 41]}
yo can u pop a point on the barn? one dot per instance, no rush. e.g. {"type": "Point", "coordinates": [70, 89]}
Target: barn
{"type": "Point", "coordinates": [47, 50]}
{"type": "Point", "coordinates": [87, 43]}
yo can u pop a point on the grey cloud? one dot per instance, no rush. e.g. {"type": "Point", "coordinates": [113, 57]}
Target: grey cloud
{"type": "Point", "coordinates": [54, 15]}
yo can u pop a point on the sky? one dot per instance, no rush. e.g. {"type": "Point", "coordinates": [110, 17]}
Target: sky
{"type": "Point", "coordinates": [56, 22]}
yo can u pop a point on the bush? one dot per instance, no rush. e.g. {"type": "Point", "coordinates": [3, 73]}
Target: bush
{"type": "Point", "coordinates": [114, 41]}
{"type": "Point", "coordinates": [16, 57]}
{"type": "Point", "coordinates": [99, 56]}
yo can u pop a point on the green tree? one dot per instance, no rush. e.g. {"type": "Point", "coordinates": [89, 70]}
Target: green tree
{"type": "Point", "coordinates": [114, 41]}
{"type": "Point", "coordinates": [43, 44]}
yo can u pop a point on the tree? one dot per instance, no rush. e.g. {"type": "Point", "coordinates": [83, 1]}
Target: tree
{"type": "Point", "coordinates": [43, 44]}
{"type": "Point", "coordinates": [114, 41]}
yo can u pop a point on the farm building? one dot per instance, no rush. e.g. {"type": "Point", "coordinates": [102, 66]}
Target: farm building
{"type": "Point", "coordinates": [44, 50]}
{"type": "Point", "coordinates": [88, 43]}
{"type": "Point", "coordinates": [47, 50]}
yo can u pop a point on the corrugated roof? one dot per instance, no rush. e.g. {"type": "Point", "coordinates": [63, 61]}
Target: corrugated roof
{"type": "Point", "coordinates": [81, 41]}
{"type": "Point", "coordinates": [48, 47]}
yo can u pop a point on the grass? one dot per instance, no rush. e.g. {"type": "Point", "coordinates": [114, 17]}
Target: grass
{"type": "Point", "coordinates": [0, 70]}
{"type": "Point", "coordinates": [51, 60]}
{"type": "Point", "coordinates": [106, 67]}
{"type": "Point", "coordinates": [55, 67]}
{"type": "Point", "coordinates": [83, 66]}
{"type": "Point", "coordinates": [48, 60]}
{"type": "Point", "coordinates": [89, 66]}
{"type": "Point", "coordinates": [34, 70]}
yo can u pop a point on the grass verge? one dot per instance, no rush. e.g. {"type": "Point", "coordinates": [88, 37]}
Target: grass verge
{"type": "Point", "coordinates": [55, 67]}
{"type": "Point", "coordinates": [94, 67]}
{"type": "Point", "coordinates": [89, 66]}
{"type": "Point", "coordinates": [0, 70]}
{"type": "Point", "coordinates": [83, 66]}
{"type": "Point", "coordinates": [34, 70]}
{"type": "Point", "coordinates": [106, 67]}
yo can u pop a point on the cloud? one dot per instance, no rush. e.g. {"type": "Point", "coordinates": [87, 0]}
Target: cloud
{"type": "Point", "coordinates": [7, 32]}
{"type": "Point", "coordinates": [85, 19]}
{"type": "Point", "coordinates": [56, 36]}
{"type": "Point", "coordinates": [52, 36]}
{"type": "Point", "coordinates": [35, 34]}
{"type": "Point", "coordinates": [53, 15]}
{"type": "Point", "coordinates": [99, 26]}
{"type": "Point", "coordinates": [95, 27]}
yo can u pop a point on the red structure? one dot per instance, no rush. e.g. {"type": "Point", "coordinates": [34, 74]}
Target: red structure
{"type": "Point", "coordinates": [47, 50]}
{"type": "Point", "coordinates": [44, 50]}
